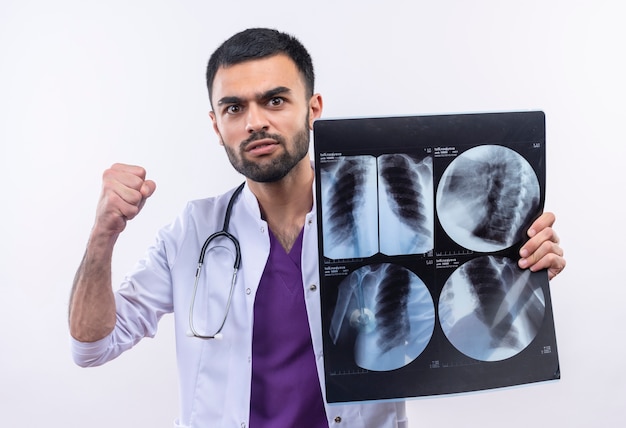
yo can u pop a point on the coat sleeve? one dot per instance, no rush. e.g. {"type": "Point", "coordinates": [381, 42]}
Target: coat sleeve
{"type": "Point", "coordinates": [143, 298]}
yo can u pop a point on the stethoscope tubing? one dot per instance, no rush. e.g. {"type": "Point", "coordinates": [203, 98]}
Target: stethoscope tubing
{"type": "Point", "coordinates": [222, 233]}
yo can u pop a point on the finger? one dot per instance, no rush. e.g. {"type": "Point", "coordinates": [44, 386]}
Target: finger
{"type": "Point", "coordinates": [147, 190]}
{"type": "Point", "coordinates": [135, 170]}
{"type": "Point", "coordinates": [545, 220]}
{"type": "Point", "coordinates": [556, 268]}
{"type": "Point", "coordinates": [114, 203]}
{"type": "Point", "coordinates": [542, 257]}
{"type": "Point", "coordinates": [120, 195]}
{"type": "Point", "coordinates": [129, 182]}
{"type": "Point", "coordinates": [552, 262]}
{"type": "Point", "coordinates": [533, 244]}
{"type": "Point", "coordinates": [130, 176]}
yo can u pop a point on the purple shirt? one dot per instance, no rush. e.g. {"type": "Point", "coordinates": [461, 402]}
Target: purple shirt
{"type": "Point", "coordinates": [285, 387]}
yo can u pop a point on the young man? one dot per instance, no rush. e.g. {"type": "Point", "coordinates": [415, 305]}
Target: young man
{"type": "Point", "coordinates": [266, 368]}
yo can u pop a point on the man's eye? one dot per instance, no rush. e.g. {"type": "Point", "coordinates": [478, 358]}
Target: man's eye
{"type": "Point", "coordinates": [276, 101]}
{"type": "Point", "coordinates": [233, 109]}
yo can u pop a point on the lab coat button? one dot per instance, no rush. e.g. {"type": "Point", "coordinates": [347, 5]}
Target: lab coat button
{"type": "Point", "coordinates": [313, 287]}
{"type": "Point", "coordinates": [248, 291]}
{"type": "Point", "coordinates": [338, 419]}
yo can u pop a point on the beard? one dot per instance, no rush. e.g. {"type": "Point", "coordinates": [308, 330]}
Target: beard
{"type": "Point", "coordinates": [279, 167]}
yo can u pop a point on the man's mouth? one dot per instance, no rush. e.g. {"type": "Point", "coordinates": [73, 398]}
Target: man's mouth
{"type": "Point", "coordinates": [262, 146]}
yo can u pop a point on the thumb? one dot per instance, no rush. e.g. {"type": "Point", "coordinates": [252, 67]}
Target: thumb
{"type": "Point", "coordinates": [147, 188]}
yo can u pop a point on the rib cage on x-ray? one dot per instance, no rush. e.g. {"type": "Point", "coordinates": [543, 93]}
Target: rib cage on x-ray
{"type": "Point", "coordinates": [406, 208]}
{"type": "Point", "coordinates": [490, 309]}
{"type": "Point", "coordinates": [350, 212]}
{"type": "Point", "coordinates": [483, 276]}
{"type": "Point", "coordinates": [392, 318]}
{"type": "Point", "coordinates": [486, 198]}
{"type": "Point", "coordinates": [346, 199]}
{"type": "Point", "coordinates": [387, 312]}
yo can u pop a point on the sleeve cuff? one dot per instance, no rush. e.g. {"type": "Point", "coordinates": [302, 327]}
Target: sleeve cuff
{"type": "Point", "coordinates": [89, 354]}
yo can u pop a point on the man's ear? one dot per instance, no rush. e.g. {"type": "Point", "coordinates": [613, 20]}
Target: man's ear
{"type": "Point", "coordinates": [315, 108]}
{"type": "Point", "coordinates": [215, 128]}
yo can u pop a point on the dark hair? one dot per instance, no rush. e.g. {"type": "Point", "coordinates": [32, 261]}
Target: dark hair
{"type": "Point", "coordinates": [256, 43]}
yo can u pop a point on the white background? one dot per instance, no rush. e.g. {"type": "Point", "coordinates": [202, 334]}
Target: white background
{"type": "Point", "coordinates": [86, 83]}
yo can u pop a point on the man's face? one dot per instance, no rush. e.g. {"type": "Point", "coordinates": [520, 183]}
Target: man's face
{"type": "Point", "coordinates": [263, 116]}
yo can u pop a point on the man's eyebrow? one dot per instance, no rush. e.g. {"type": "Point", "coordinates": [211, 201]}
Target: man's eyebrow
{"type": "Point", "coordinates": [273, 92]}
{"type": "Point", "coordinates": [229, 100]}
{"type": "Point", "coordinates": [260, 96]}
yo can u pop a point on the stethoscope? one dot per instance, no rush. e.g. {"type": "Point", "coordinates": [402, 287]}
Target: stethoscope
{"type": "Point", "coordinates": [222, 233]}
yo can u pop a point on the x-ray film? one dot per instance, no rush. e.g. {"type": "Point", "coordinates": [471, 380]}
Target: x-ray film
{"type": "Point", "coordinates": [421, 219]}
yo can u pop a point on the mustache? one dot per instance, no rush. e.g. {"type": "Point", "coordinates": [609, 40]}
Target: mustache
{"type": "Point", "coordinates": [261, 135]}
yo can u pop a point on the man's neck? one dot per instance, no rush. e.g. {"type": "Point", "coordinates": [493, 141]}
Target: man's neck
{"type": "Point", "coordinates": [284, 204]}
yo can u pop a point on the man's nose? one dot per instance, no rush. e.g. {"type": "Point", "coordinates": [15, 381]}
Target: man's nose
{"type": "Point", "coordinates": [256, 119]}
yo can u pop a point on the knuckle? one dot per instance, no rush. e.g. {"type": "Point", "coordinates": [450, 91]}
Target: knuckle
{"type": "Point", "coordinates": [107, 174]}
{"type": "Point", "coordinates": [547, 247]}
{"type": "Point", "coordinates": [549, 234]}
{"type": "Point", "coordinates": [131, 211]}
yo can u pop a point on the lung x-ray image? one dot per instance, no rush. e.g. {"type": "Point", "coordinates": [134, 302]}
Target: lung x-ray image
{"type": "Point", "coordinates": [350, 209]}
{"type": "Point", "coordinates": [405, 193]}
{"type": "Point", "coordinates": [377, 204]}
{"type": "Point", "coordinates": [386, 313]}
